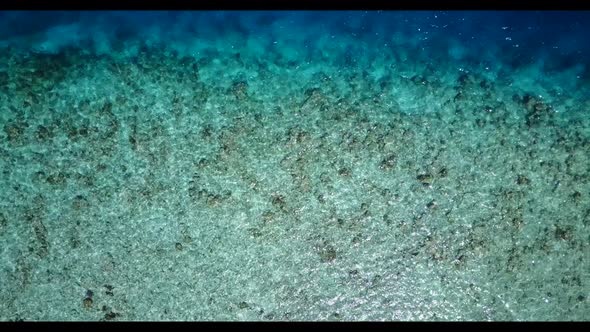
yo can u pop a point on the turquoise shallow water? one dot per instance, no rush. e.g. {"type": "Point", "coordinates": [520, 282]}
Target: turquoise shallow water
{"type": "Point", "coordinates": [294, 166]}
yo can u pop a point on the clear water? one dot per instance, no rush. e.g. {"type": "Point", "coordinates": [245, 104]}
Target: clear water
{"type": "Point", "coordinates": [294, 165]}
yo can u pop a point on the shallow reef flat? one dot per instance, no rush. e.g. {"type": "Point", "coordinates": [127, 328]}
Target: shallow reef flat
{"type": "Point", "coordinates": [243, 184]}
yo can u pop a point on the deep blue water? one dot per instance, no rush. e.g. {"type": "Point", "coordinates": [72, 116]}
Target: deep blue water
{"type": "Point", "coordinates": [522, 34]}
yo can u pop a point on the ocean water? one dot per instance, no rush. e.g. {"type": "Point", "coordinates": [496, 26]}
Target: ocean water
{"type": "Point", "coordinates": [305, 165]}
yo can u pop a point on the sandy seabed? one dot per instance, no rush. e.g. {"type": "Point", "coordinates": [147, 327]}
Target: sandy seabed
{"type": "Point", "coordinates": [268, 185]}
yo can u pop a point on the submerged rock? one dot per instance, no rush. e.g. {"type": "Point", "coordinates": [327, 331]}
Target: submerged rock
{"type": "Point", "coordinates": [14, 131]}
{"type": "Point", "coordinates": [240, 90]}
{"type": "Point", "coordinates": [537, 110]}
{"type": "Point", "coordinates": [387, 163]}
{"type": "Point", "coordinates": [426, 179]}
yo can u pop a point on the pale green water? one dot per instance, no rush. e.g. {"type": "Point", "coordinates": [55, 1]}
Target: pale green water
{"type": "Point", "coordinates": [270, 186]}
